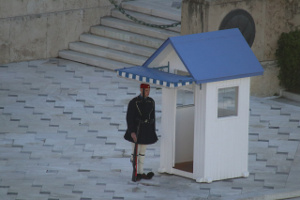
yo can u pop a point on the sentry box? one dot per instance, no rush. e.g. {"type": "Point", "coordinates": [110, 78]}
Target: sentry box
{"type": "Point", "coordinates": [205, 80]}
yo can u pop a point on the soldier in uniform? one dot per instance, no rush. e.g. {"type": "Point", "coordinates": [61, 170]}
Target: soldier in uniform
{"type": "Point", "coordinates": [141, 127]}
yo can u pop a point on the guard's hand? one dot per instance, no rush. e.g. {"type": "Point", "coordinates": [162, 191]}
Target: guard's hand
{"type": "Point", "coordinates": [133, 135]}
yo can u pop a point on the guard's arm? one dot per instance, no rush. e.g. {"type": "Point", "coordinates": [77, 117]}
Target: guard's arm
{"type": "Point", "coordinates": [130, 118]}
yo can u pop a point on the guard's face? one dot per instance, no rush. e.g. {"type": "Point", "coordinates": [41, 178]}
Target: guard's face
{"type": "Point", "coordinates": [147, 91]}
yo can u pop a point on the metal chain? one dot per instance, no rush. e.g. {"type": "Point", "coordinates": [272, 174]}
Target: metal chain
{"type": "Point", "coordinates": [142, 22]}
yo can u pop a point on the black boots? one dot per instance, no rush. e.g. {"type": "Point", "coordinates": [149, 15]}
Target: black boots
{"type": "Point", "coordinates": [144, 176]}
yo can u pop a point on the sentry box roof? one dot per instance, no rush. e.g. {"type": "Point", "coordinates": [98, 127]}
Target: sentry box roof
{"type": "Point", "coordinates": [208, 57]}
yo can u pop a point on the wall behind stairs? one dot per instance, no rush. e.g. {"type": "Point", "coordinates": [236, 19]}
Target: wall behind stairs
{"type": "Point", "coordinates": [271, 18]}
{"type": "Point", "coordinates": [38, 29]}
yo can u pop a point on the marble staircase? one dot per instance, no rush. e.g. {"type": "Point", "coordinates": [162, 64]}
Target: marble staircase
{"type": "Point", "coordinates": [120, 42]}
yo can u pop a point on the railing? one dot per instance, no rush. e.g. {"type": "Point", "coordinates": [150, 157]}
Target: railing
{"type": "Point", "coordinates": [142, 22]}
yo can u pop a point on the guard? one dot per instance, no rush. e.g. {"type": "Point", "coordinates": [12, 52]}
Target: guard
{"type": "Point", "coordinates": [141, 130]}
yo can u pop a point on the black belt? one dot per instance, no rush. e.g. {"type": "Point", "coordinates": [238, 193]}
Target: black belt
{"type": "Point", "coordinates": [146, 121]}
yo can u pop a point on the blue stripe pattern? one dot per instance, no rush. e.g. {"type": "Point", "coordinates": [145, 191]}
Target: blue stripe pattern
{"type": "Point", "coordinates": [170, 84]}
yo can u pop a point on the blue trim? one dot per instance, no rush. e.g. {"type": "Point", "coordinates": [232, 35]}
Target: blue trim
{"type": "Point", "coordinates": [154, 76]}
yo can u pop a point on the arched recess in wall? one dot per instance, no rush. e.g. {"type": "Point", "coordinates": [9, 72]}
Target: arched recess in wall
{"type": "Point", "coordinates": [243, 20]}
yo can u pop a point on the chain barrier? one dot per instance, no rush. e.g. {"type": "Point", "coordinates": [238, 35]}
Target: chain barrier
{"type": "Point", "coordinates": [142, 22]}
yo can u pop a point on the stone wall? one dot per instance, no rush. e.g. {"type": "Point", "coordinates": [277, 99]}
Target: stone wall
{"type": "Point", "coordinates": [271, 18]}
{"type": "Point", "coordinates": [38, 29]}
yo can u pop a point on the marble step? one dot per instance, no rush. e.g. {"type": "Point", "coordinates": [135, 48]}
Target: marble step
{"type": "Point", "coordinates": [92, 60]}
{"type": "Point", "coordinates": [151, 8]}
{"type": "Point", "coordinates": [137, 28]}
{"type": "Point", "coordinates": [117, 45]}
{"type": "Point", "coordinates": [126, 36]}
{"type": "Point", "coordinates": [111, 54]}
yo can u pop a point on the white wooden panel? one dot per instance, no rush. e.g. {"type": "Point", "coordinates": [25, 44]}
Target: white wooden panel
{"type": "Point", "coordinates": [199, 137]}
{"type": "Point", "coordinates": [227, 138]}
{"type": "Point", "coordinates": [167, 141]}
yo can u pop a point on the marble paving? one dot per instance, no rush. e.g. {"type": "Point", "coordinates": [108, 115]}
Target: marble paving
{"type": "Point", "coordinates": [61, 138]}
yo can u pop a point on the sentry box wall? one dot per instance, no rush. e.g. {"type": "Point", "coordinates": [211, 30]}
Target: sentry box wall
{"type": "Point", "coordinates": [205, 80]}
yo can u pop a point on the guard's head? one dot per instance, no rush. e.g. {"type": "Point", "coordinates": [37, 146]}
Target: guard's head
{"type": "Point", "coordinates": [145, 89]}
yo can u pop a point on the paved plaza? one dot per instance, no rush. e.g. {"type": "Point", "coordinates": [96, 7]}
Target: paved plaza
{"type": "Point", "coordinates": [61, 138]}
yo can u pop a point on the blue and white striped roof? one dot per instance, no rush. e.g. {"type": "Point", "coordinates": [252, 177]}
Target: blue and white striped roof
{"type": "Point", "coordinates": [155, 76]}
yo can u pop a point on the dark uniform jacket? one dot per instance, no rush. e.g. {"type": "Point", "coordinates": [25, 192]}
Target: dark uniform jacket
{"type": "Point", "coordinates": [141, 120]}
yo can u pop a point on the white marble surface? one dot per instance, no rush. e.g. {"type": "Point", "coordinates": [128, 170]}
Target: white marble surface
{"type": "Point", "coordinates": [61, 137]}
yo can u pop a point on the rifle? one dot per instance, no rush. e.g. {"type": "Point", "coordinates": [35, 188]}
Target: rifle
{"type": "Point", "coordinates": [134, 162]}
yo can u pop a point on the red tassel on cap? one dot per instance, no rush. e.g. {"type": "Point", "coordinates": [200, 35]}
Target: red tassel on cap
{"type": "Point", "coordinates": [144, 85]}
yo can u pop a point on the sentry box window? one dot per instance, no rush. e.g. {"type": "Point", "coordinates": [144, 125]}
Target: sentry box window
{"type": "Point", "coordinates": [227, 102]}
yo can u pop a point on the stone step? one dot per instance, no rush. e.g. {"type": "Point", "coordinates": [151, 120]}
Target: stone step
{"type": "Point", "coordinates": [117, 45]}
{"type": "Point", "coordinates": [151, 8]}
{"type": "Point", "coordinates": [111, 54]}
{"type": "Point", "coordinates": [126, 36]}
{"type": "Point", "coordinates": [137, 28]}
{"type": "Point", "coordinates": [92, 60]}
{"type": "Point", "coordinates": [146, 18]}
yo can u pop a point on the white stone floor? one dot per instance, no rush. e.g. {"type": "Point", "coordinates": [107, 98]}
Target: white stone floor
{"type": "Point", "coordinates": [61, 138]}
